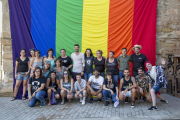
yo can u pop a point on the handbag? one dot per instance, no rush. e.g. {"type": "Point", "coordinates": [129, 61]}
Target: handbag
{"type": "Point", "coordinates": [53, 99]}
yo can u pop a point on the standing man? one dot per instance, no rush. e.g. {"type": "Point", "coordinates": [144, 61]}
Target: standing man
{"type": "Point", "coordinates": [123, 62]}
{"type": "Point", "coordinates": [78, 62]}
{"type": "Point", "coordinates": [138, 59]}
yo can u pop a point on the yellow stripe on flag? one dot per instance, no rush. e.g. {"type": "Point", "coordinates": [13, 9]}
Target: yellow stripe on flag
{"type": "Point", "coordinates": [95, 25]}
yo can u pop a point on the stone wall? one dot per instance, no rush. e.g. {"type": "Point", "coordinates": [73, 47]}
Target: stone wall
{"type": "Point", "coordinates": [168, 28]}
{"type": "Point", "coordinates": [168, 37]}
{"type": "Point", "coordinates": [7, 63]}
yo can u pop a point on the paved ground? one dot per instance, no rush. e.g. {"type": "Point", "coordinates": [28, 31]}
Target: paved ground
{"type": "Point", "coordinates": [19, 109]}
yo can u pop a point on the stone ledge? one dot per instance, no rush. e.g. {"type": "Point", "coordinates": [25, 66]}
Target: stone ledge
{"type": "Point", "coordinates": [6, 41]}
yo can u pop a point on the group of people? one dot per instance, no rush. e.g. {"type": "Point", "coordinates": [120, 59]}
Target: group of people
{"type": "Point", "coordinates": [47, 75]}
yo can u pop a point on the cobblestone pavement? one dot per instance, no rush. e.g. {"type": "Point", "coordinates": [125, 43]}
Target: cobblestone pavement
{"type": "Point", "coordinates": [19, 109]}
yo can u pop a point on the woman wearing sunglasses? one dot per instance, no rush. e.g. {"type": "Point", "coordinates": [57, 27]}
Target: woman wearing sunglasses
{"type": "Point", "coordinates": [66, 84]}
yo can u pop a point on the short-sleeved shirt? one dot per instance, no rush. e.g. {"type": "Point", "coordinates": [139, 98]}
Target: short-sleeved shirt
{"type": "Point", "coordinates": [96, 83]}
{"type": "Point", "coordinates": [124, 62]}
{"type": "Point", "coordinates": [78, 86]}
{"type": "Point", "coordinates": [59, 75]}
{"type": "Point", "coordinates": [89, 64]}
{"type": "Point", "coordinates": [36, 83]}
{"type": "Point", "coordinates": [143, 83]}
{"type": "Point", "coordinates": [66, 61]}
{"type": "Point", "coordinates": [100, 65]}
{"type": "Point", "coordinates": [138, 61]}
{"type": "Point", "coordinates": [112, 85]}
{"type": "Point", "coordinates": [112, 66]}
{"type": "Point", "coordinates": [22, 65]}
{"type": "Point", "coordinates": [78, 62]}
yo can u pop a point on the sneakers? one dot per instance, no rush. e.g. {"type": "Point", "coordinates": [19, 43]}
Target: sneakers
{"type": "Point", "coordinates": [126, 100]}
{"type": "Point", "coordinates": [106, 103]}
{"type": "Point", "coordinates": [116, 103]}
{"type": "Point", "coordinates": [42, 104]}
{"type": "Point", "coordinates": [164, 101]}
{"type": "Point", "coordinates": [83, 102]}
{"type": "Point", "coordinates": [132, 105]}
{"type": "Point", "coordinates": [99, 100]}
{"type": "Point", "coordinates": [80, 99]}
{"type": "Point", "coordinates": [153, 108]}
{"type": "Point", "coordinates": [91, 101]}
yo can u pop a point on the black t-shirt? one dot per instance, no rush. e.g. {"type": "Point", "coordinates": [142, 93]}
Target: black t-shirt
{"type": "Point", "coordinates": [138, 61]}
{"type": "Point", "coordinates": [36, 83]}
{"type": "Point", "coordinates": [89, 64]}
{"type": "Point", "coordinates": [22, 65]}
{"type": "Point", "coordinates": [114, 84]}
{"type": "Point", "coordinates": [66, 61]}
{"type": "Point", "coordinates": [100, 65]}
{"type": "Point", "coordinates": [53, 85]}
{"type": "Point", "coordinates": [112, 66]}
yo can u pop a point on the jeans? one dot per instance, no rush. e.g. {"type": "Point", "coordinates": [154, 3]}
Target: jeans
{"type": "Point", "coordinates": [22, 77]}
{"type": "Point", "coordinates": [107, 94]}
{"type": "Point", "coordinates": [102, 74]}
{"type": "Point", "coordinates": [39, 96]}
{"type": "Point", "coordinates": [156, 88]}
{"type": "Point", "coordinates": [87, 75]}
{"type": "Point", "coordinates": [115, 77]}
{"type": "Point", "coordinates": [135, 74]}
{"type": "Point", "coordinates": [121, 75]}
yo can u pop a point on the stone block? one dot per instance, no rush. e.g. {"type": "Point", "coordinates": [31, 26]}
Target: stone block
{"type": "Point", "coordinates": [6, 42]}
{"type": "Point", "coordinates": [7, 56]}
{"type": "Point", "coordinates": [176, 33]}
{"type": "Point", "coordinates": [7, 49]}
{"type": "Point", "coordinates": [172, 11]}
{"type": "Point", "coordinates": [8, 77]}
{"type": "Point", "coordinates": [7, 65]}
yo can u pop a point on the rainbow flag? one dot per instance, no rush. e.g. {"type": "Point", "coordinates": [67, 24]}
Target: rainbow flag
{"type": "Point", "coordinates": [107, 25]}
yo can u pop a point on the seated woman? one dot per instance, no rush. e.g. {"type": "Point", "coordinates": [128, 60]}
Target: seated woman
{"type": "Point", "coordinates": [37, 88]}
{"type": "Point", "coordinates": [66, 84]}
{"type": "Point", "coordinates": [52, 85]}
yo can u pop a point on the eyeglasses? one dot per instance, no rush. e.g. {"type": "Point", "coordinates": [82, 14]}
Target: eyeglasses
{"type": "Point", "coordinates": [65, 73]}
{"type": "Point", "coordinates": [37, 71]}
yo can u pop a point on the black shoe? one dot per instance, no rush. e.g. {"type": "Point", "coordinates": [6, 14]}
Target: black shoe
{"type": "Point", "coordinates": [132, 104]}
{"type": "Point", "coordinates": [153, 108]}
{"type": "Point", "coordinates": [106, 103]}
{"type": "Point", "coordinates": [126, 100]}
{"type": "Point", "coordinates": [99, 100]}
{"type": "Point", "coordinates": [144, 99]}
{"type": "Point", "coordinates": [91, 101]}
{"type": "Point", "coordinates": [164, 101]}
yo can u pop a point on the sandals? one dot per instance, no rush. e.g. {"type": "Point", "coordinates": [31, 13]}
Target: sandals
{"type": "Point", "coordinates": [13, 98]}
{"type": "Point", "coordinates": [132, 105]}
{"type": "Point", "coordinates": [62, 103]}
{"type": "Point", "coordinates": [23, 98]}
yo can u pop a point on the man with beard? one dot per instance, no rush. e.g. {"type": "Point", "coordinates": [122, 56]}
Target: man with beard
{"type": "Point", "coordinates": [78, 62]}
{"type": "Point", "coordinates": [138, 59]}
{"type": "Point", "coordinates": [95, 86]}
{"type": "Point", "coordinates": [143, 85]}
{"type": "Point", "coordinates": [127, 88]}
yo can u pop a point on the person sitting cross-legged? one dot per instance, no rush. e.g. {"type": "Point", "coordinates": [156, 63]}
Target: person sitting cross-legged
{"type": "Point", "coordinates": [95, 86]}
{"type": "Point", "coordinates": [127, 87]}
{"type": "Point", "coordinates": [110, 89]}
{"type": "Point", "coordinates": [80, 88]}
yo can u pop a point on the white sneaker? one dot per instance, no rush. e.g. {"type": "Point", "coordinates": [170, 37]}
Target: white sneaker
{"type": "Point", "coordinates": [116, 103]}
{"type": "Point", "coordinates": [80, 99]}
{"type": "Point", "coordinates": [83, 102]}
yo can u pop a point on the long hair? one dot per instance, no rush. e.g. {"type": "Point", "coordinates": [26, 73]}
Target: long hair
{"type": "Point", "coordinates": [50, 49]}
{"type": "Point", "coordinates": [24, 51]}
{"type": "Point", "coordinates": [41, 75]}
{"type": "Point", "coordinates": [47, 62]}
{"type": "Point", "coordinates": [61, 63]}
{"type": "Point", "coordinates": [30, 52]}
{"type": "Point", "coordinates": [91, 54]}
{"type": "Point", "coordinates": [38, 52]}
{"type": "Point", "coordinates": [69, 77]}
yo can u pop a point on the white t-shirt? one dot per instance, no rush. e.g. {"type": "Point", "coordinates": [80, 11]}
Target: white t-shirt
{"type": "Point", "coordinates": [96, 83]}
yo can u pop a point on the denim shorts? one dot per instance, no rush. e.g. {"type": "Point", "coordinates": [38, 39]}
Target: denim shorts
{"type": "Point", "coordinates": [156, 89]}
{"type": "Point", "coordinates": [22, 77]}
{"type": "Point", "coordinates": [79, 93]}
{"type": "Point", "coordinates": [95, 89]}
